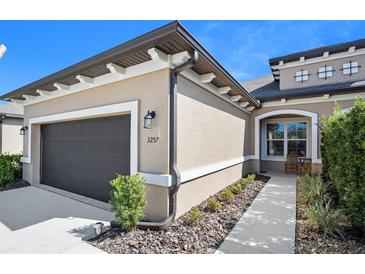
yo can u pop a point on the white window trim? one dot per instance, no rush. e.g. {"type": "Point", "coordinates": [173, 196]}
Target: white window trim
{"type": "Point", "coordinates": [264, 139]}
{"type": "Point", "coordinates": [327, 72]}
{"type": "Point", "coordinates": [314, 134]}
{"type": "Point", "coordinates": [121, 108]}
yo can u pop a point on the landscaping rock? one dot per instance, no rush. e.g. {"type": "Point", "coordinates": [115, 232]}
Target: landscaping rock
{"type": "Point", "coordinates": [182, 237]}
{"type": "Point", "coordinates": [13, 185]}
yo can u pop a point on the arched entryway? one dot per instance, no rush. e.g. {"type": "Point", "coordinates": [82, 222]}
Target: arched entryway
{"type": "Point", "coordinates": [274, 136]}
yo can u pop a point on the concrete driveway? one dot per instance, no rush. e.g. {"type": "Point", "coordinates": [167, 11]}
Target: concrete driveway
{"type": "Point", "coordinates": [34, 220]}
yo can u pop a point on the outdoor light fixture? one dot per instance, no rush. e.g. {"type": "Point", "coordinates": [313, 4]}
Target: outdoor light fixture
{"type": "Point", "coordinates": [23, 129]}
{"type": "Point", "coordinates": [148, 119]}
{"type": "Point", "coordinates": [2, 117]}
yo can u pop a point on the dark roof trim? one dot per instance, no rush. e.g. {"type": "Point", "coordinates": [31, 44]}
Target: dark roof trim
{"type": "Point", "coordinates": [98, 59]}
{"type": "Point", "coordinates": [340, 88]}
{"type": "Point", "coordinates": [191, 40]}
{"type": "Point", "coordinates": [128, 47]}
{"type": "Point", "coordinates": [317, 52]}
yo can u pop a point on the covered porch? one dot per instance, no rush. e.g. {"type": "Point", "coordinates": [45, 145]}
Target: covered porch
{"type": "Point", "coordinates": [292, 132]}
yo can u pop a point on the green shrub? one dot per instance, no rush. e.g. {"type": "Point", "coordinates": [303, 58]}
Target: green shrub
{"type": "Point", "coordinates": [10, 168]}
{"type": "Point", "coordinates": [322, 218]}
{"type": "Point", "coordinates": [128, 198]}
{"type": "Point", "coordinates": [343, 151]}
{"type": "Point", "coordinates": [236, 188]}
{"type": "Point", "coordinates": [195, 216]}
{"type": "Point", "coordinates": [251, 178]}
{"type": "Point", "coordinates": [312, 189]}
{"type": "Point", "coordinates": [227, 196]}
{"type": "Point", "coordinates": [244, 183]}
{"type": "Point", "coordinates": [213, 204]}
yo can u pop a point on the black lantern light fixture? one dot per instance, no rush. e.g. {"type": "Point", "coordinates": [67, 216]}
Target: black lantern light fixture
{"type": "Point", "coordinates": [2, 117]}
{"type": "Point", "coordinates": [23, 129]}
{"type": "Point", "coordinates": [148, 119]}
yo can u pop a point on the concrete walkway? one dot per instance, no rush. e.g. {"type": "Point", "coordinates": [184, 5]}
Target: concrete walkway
{"type": "Point", "coordinates": [34, 220]}
{"type": "Point", "coordinates": [268, 226]}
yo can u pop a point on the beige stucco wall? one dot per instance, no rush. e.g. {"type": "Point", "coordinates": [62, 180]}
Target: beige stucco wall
{"type": "Point", "coordinates": [208, 125]}
{"type": "Point", "coordinates": [209, 131]}
{"type": "Point", "coordinates": [323, 109]}
{"type": "Point", "coordinates": [194, 192]}
{"type": "Point", "coordinates": [287, 80]}
{"type": "Point", "coordinates": [151, 91]}
{"type": "Point", "coordinates": [10, 139]}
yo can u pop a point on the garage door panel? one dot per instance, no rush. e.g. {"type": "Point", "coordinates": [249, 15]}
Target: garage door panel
{"type": "Point", "coordinates": [83, 156]}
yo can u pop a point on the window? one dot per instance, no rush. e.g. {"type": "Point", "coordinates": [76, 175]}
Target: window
{"type": "Point", "coordinates": [275, 139]}
{"type": "Point", "coordinates": [286, 138]}
{"type": "Point", "coordinates": [301, 76]}
{"type": "Point", "coordinates": [350, 68]}
{"type": "Point", "coordinates": [325, 72]}
{"type": "Point", "coordinates": [297, 139]}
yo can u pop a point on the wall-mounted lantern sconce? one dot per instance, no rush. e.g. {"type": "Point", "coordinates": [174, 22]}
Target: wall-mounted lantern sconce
{"type": "Point", "coordinates": [2, 117]}
{"type": "Point", "coordinates": [23, 129]}
{"type": "Point", "coordinates": [148, 119]}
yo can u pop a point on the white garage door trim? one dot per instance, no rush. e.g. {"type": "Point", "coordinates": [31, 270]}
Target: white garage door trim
{"type": "Point", "coordinates": [127, 107]}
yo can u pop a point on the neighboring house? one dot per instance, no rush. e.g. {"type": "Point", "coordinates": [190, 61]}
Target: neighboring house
{"type": "Point", "coordinates": [11, 121]}
{"type": "Point", "coordinates": [92, 120]}
{"type": "Point", "coordinates": [302, 89]}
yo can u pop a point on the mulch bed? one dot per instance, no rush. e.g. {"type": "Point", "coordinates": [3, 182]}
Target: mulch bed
{"type": "Point", "coordinates": [18, 183]}
{"type": "Point", "coordinates": [311, 242]}
{"type": "Point", "coordinates": [182, 236]}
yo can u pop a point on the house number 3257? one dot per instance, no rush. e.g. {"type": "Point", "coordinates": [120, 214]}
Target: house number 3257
{"type": "Point", "coordinates": [151, 140]}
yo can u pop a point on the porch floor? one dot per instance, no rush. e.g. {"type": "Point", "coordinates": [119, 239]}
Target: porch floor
{"type": "Point", "coordinates": [268, 226]}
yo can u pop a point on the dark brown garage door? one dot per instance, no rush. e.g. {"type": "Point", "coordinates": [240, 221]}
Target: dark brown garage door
{"type": "Point", "coordinates": [83, 156]}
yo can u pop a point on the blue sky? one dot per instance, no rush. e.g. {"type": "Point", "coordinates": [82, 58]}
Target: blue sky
{"type": "Point", "coordinates": [38, 48]}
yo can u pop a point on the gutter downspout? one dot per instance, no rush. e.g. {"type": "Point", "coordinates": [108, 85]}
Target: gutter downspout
{"type": "Point", "coordinates": [175, 173]}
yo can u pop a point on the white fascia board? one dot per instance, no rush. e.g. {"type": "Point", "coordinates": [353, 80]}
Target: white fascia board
{"type": "Point", "coordinates": [320, 59]}
{"type": "Point", "coordinates": [317, 99]}
{"type": "Point", "coordinates": [117, 74]}
{"type": "Point", "coordinates": [251, 108]}
{"type": "Point", "coordinates": [133, 71]}
{"type": "Point", "coordinates": [195, 78]}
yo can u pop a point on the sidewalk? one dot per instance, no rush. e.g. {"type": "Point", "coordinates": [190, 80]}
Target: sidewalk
{"type": "Point", "coordinates": [268, 226]}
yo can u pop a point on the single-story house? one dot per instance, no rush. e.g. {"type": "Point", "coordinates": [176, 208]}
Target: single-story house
{"type": "Point", "coordinates": [11, 121]}
{"type": "Point", "coordinates": [160, 105]}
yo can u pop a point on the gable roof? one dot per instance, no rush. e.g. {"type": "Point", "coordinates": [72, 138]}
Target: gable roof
{"type": "Point", "coordinates": [170, 39]}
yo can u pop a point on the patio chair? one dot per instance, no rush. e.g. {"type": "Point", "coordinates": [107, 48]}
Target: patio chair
{"type": "Point", "coordinates": [291, 163]}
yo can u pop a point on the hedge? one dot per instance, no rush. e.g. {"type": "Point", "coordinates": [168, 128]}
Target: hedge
{"type": "Point", "coordinates": [10, 168]}
{"type": "Point", "coordinates": [343, 154]}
